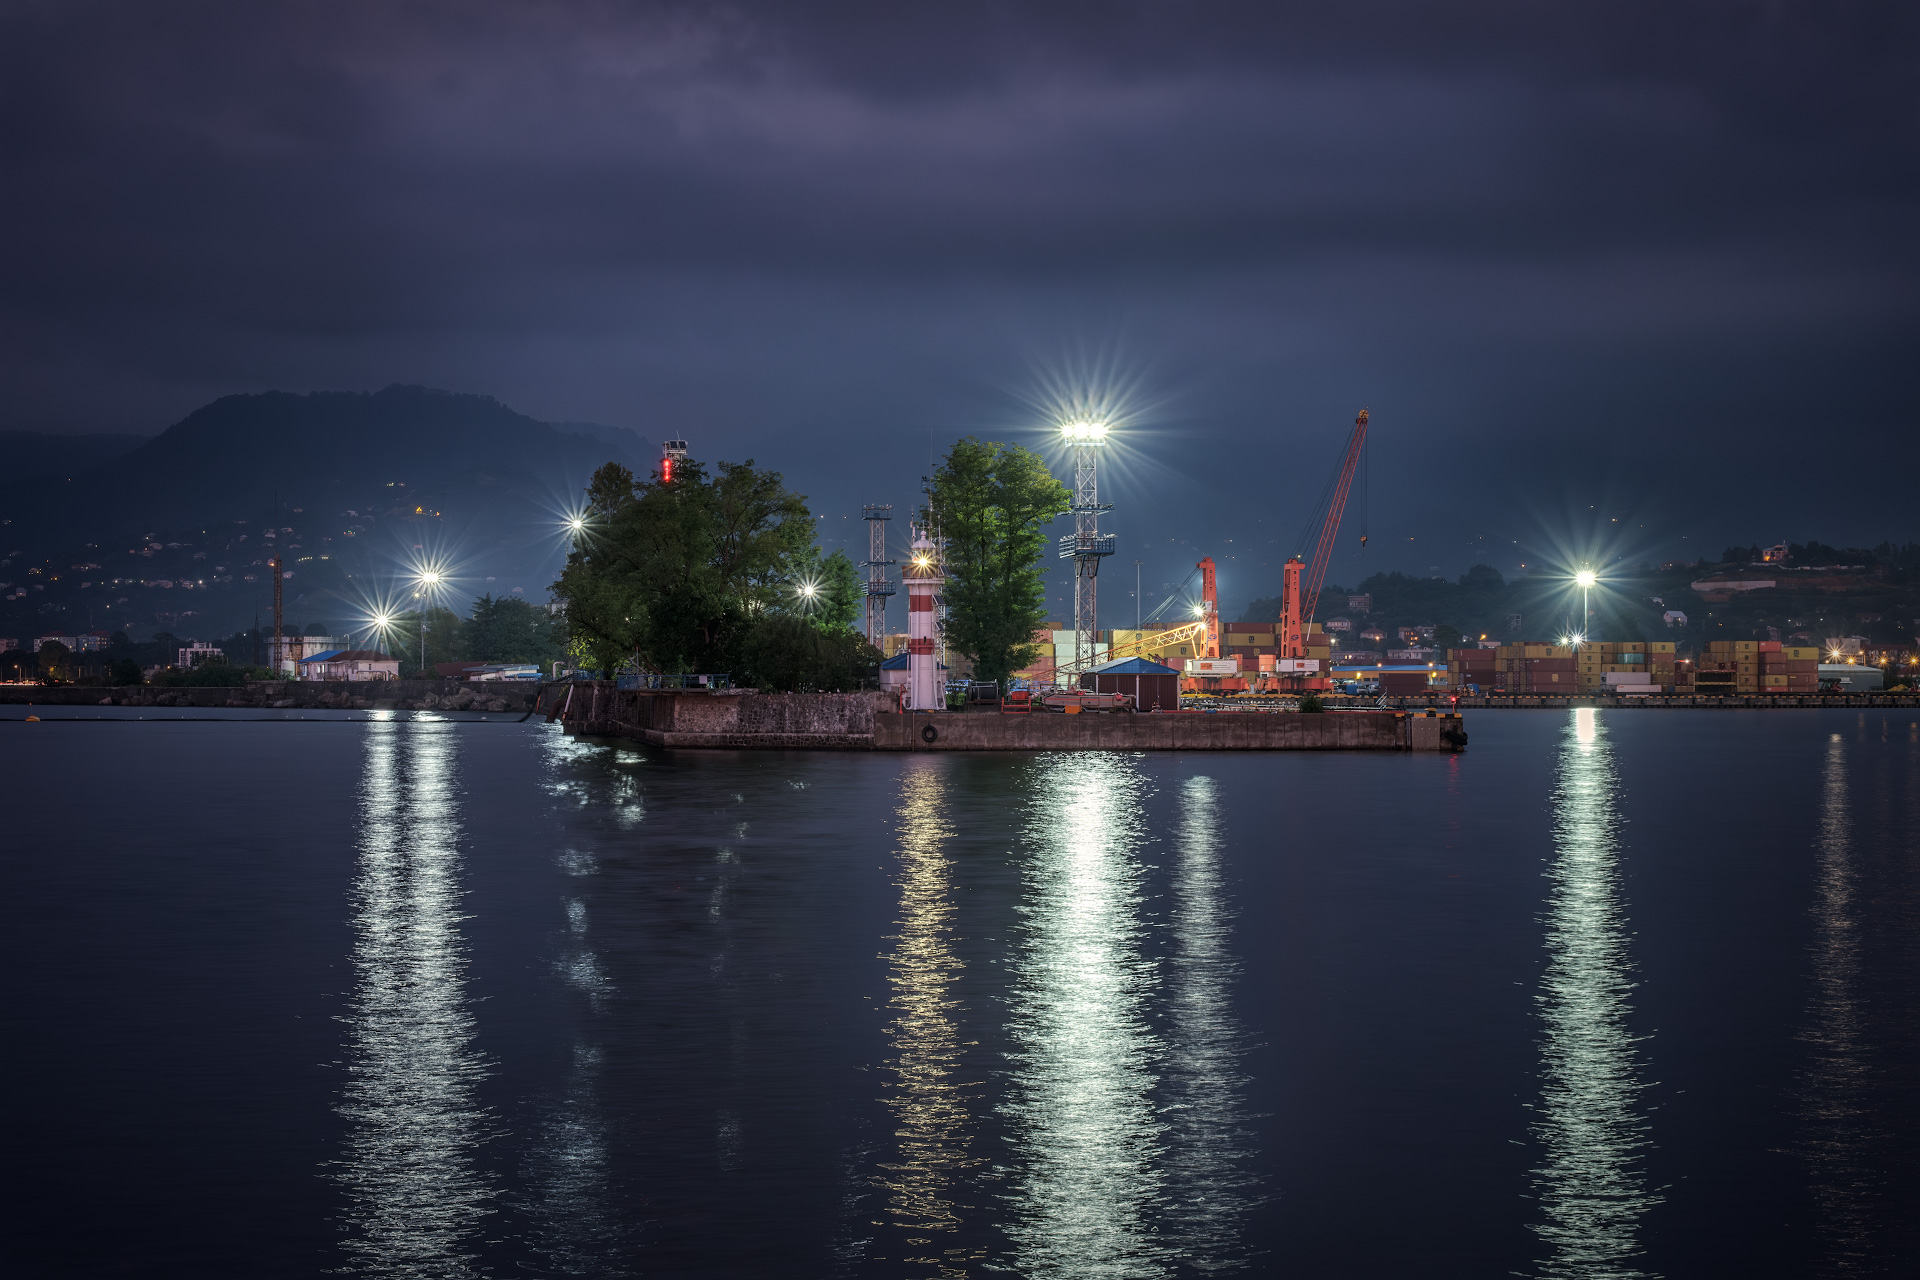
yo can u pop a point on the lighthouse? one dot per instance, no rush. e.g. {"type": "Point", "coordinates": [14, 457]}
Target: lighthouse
{"type": "Point", "coordinates": [925, 691]}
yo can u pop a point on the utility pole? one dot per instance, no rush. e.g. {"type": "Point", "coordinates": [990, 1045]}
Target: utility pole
{"type": "Point", "coordinates": [878, 588]}
{"type": "Point", "coordinates": [279, 628]}
{"type": "Point", "coordinates": [1136, 601]}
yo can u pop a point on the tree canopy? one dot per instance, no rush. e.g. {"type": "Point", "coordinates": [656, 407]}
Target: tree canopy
{"type": "Point", "coordinates": [992, 502]}
{"type": "Point", "coordinates": [712, 572]}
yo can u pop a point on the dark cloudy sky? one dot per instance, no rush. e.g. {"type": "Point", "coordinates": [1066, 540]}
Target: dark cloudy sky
{"type": "Point", "coordinates": [1640, 267]}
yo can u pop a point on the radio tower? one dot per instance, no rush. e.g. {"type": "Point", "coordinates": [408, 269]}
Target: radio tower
{"type": "Point", "coordinates": [1085, 546]}
{"type": "Point", "coordinates": [878, 588]}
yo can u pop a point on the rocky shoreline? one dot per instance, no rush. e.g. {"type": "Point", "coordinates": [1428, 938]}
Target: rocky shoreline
{"type": "Point", "coordinates": [355, 695]}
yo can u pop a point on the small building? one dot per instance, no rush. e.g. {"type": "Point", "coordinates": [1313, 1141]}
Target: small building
{"type": "Point", "coordinates": [350, 664]}
{"type": "Point", "coordinates": [1362, 604]}
{"type": "Point", "coordinates": [199, 653]}
{"type": "Point", "coordinates": [1150, 684]}
{"type": "Point", "coordinates": [1337, 624]}
{"type": "Point", "coordinates": [1374, 635]}
{"type": "Point", "coordinates": [1674, 618]}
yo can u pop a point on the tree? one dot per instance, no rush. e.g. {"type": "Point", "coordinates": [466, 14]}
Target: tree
{"type": "Point", "coordinates": [788, 653]}
{"type": "Point", "coordinates": [443, 638]}
{"type": "Point", "coordinates": [992, 502]}
{"type": "Point", "coordinates": [672, 575]}
{"type": "Point", "coordinates": [125, 671]}
{"type": "Point", "coordinates": [834, 604]}
{"type": "Point", "coordinates": [508, 629]}
{"type": "Point", "coordinates": [54, 660]}
{"type": "Point", "coordinates": [1446, 636]}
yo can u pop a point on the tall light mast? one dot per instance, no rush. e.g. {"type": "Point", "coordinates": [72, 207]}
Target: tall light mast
{"type": "Point", "coordinates": [926, 691]}
{"type": "Point", "coordinates": [1210, 606]}
{"type": "Point", "coordinates": [672, 454]}
{"type": "Point", "coordinates": [1085, 546]}
{"type": "Point", "coordinates": [878, 588]}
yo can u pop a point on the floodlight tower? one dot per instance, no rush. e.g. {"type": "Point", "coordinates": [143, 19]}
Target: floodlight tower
{"type": "Point", "coordinates": [1085, 546]}
{"type": "Point", "coordinates": [878, 588]}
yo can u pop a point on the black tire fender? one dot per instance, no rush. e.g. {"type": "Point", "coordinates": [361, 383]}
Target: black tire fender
{"type": "Point", "coordinates": [928, 733]}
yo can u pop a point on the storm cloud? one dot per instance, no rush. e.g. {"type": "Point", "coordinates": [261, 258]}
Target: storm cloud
{"type": "Point", "coordinates": [1590, 263]}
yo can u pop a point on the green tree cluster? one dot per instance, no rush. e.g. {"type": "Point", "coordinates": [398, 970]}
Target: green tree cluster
{"type": "Point", "coordinates": [991, 503]}
{"type": "Point", "coordinates": [711, 572]}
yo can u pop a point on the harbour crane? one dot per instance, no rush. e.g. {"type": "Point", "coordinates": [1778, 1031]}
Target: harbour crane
{"type": "Point", "coordinates": [1300, 598]}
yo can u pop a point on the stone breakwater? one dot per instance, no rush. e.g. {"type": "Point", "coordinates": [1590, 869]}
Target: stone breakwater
{"type": "Point", "coordinates": [316, 695]}
{"type": "Point", "coordinates": [868, 722]}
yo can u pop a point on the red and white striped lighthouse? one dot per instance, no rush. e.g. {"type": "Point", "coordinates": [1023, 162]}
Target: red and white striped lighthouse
{"type": "Point", "coordinates": [925, 691]}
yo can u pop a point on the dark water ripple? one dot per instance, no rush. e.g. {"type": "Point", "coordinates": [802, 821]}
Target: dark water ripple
{"type": "Point", "coordinates": [1612, 995]}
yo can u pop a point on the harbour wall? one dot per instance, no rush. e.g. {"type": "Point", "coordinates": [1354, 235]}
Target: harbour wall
{"type": "Point", "coordinates": [313, 695]}
{"type": "Point", "coordinates": [868, 722]}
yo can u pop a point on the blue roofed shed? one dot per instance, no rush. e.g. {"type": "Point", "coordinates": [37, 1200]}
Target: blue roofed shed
{"type": "Point", "coordinates": [1148, 683]}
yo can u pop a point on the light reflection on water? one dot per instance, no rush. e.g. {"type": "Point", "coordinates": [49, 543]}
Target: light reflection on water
{"type": "Point", "coordinates": [1843, 1140]}
{"type": "Point", "coordinates": [1211, 1184]}
{"type": "Point", "coordinates": [1087, 1141]}
{"type": "Point", "coordinates": [933, 1130]}
{"type": "Point", "coordinates": [415, 1193]}
{"type": "Point", "coordinates": [1592, 1187]}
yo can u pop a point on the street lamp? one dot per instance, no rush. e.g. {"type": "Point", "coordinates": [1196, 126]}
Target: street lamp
{"type": "Point", "coordinates": [1585, 580]}
{"type": "Point", "coordinates": [428, 581]}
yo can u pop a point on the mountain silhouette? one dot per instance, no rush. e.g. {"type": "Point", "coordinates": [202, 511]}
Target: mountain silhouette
{"type": "Point", "coordinates": [370, 485]}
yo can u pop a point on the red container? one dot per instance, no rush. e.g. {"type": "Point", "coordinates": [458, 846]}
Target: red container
{"type": "Point", "coordinates": [1769, 646]}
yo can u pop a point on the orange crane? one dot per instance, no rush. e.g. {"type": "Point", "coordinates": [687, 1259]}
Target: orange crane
{"type": "Point", "coordinates": [1298, 598]}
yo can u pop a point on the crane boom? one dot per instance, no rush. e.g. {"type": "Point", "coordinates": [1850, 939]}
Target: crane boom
{"type": "Point", "coordinates": [1323, 550]}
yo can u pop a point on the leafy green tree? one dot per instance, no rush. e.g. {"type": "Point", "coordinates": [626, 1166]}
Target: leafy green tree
{"type": "Point", "coordinates": [403, 639]}
{"type": "Point", "coordinates": [125, 671]}
{"type": "Point", "coordinates": [837, 591]}
{"type": "Point", "coordinates": [993, 502]}
{"type": "Point", "coordinates": [509, 629]}
{"type": "Point", "coordinates": [55, 661]}
{"type": "Point", "coordinates": [1446, 636]}
{"type": "Point", "coordinates": [789, 653]}
{"type": "Point", "coordinates": [672, 576]}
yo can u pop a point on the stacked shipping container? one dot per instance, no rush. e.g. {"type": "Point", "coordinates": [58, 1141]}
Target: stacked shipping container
{"type": "Point", "coordinates": [1758, 666]}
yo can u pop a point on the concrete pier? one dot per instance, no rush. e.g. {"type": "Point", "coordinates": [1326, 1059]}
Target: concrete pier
{"type": "Point", "coordinates": [869, 722]}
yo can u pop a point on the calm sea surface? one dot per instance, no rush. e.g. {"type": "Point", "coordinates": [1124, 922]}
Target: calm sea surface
{"type": "Point", "coordinates": [1611, 994]}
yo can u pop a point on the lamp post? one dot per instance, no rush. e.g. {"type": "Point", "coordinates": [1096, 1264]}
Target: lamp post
{"type": "Point", "coordinates": [1586, 580]}
{"type": "Point", "coordinates": [428, 580]}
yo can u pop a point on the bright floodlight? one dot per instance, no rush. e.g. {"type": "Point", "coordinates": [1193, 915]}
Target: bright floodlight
{"type": "Point", "coordinates": [576, 524]}
{"type": "Point", "coordinates": [1585, 578]}
{"type": "Point", "coordinates": [429, 578]}
{"type": "Point", "coordinates": [1085, 432]}
{"type": "Point", "coordinates": [381, 621]}
{"type": "Point", "coordinates": [807, 589]}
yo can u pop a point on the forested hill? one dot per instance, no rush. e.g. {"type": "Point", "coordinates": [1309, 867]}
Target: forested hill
{"type": "Point", "coordinates": [34, 455]}
{"type": "Point", "coordinates": [226, 461]}
{"type": "Point", "coordinates": [366, 485]}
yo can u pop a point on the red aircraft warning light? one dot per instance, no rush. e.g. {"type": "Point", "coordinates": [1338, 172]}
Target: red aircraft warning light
{"type": "Point", "coordinates": [671, 452]}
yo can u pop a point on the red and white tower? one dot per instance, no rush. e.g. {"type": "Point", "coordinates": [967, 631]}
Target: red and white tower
{"type": "Point", "coordinates": [925, 690]}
